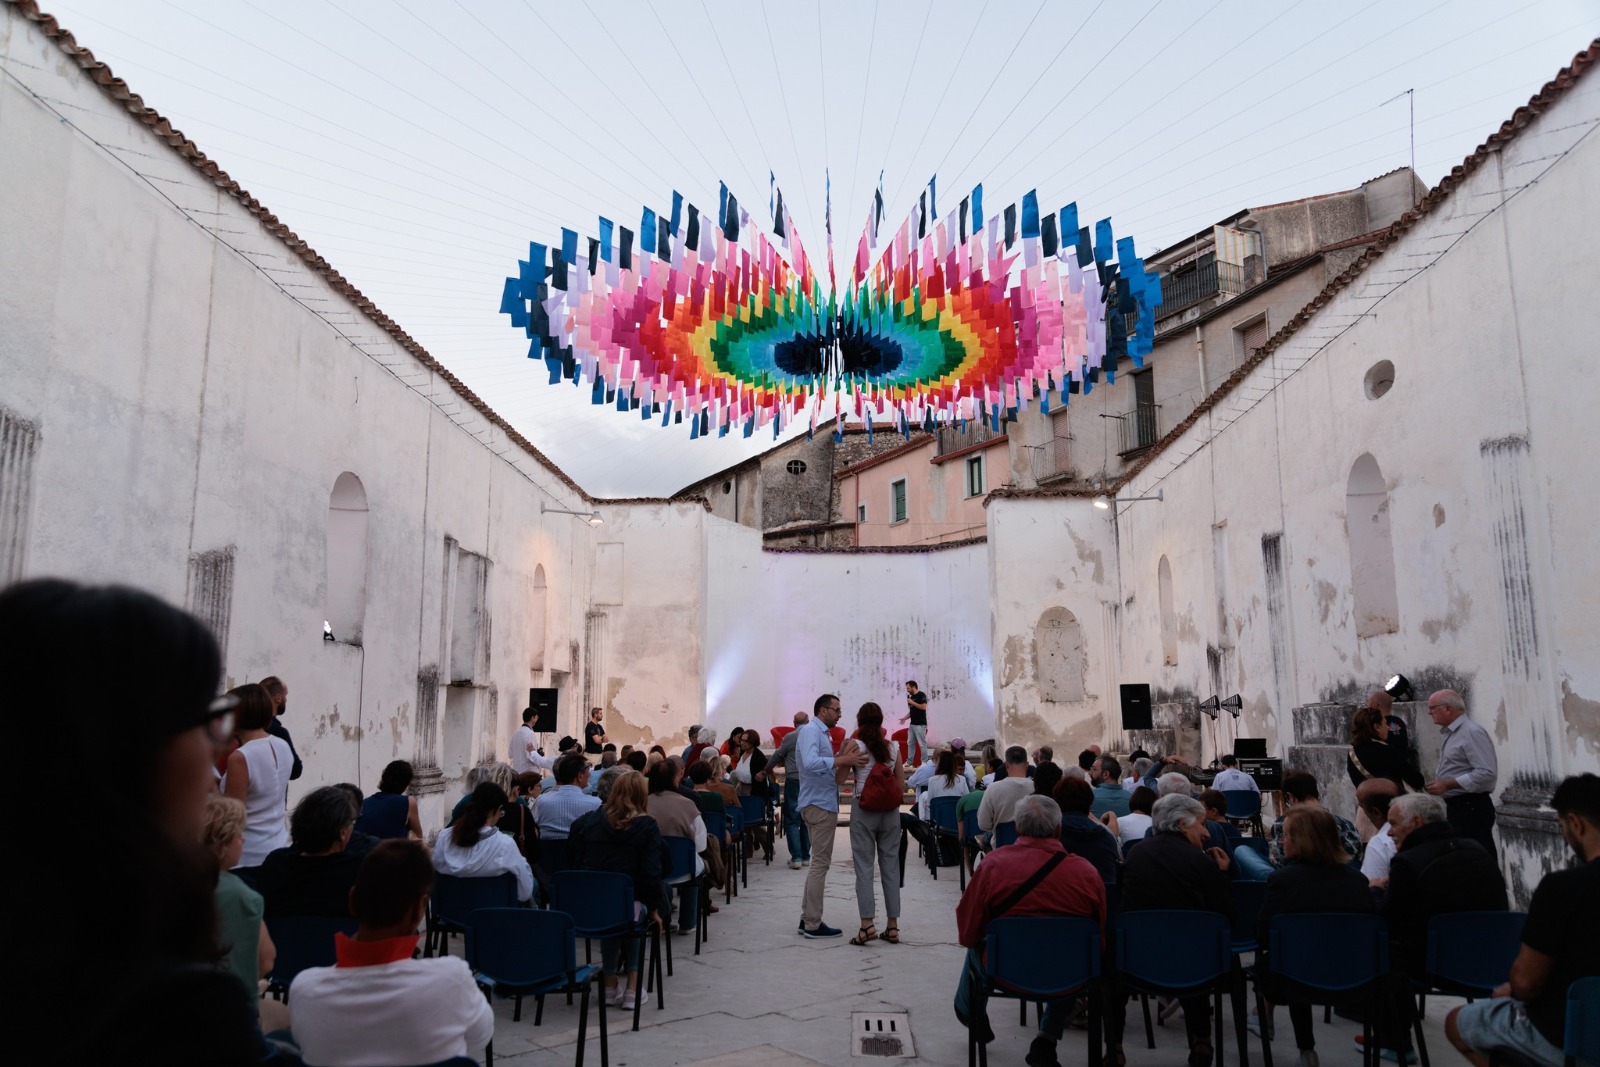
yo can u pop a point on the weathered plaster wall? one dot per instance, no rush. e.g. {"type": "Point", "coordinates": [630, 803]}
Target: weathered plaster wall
{"type": "Point", "coordinates": [783, 627]}
{"type": "Point", "coordinates": [1490, 496]}
{"type": "Point", "coordinates": [187, 405]}
{"type": "Point", "coordinates": [1054, 684]}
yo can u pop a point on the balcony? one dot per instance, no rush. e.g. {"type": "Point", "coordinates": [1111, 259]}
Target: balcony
{"type": "Point", "coordinates": [1140, 428]}
{"type": "Point", "coordinates": [1185, 288]}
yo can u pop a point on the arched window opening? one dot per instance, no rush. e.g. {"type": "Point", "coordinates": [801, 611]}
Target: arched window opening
{"type": "Point", "coordinates": [1375, 601]}
{"type": "Point", "coordinates": [539, 620]}
{"type": "Point", "coordinates": [1060, 658]}
{"type": "Point", "coordinates": [347, 559]}
{"type": "Point", "coordinates": [1169, 616]}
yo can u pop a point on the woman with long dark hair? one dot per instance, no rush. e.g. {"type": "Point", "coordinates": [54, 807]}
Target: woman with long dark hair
{"type": "Point", "coordinates": [390, 813]}
{"type": "Point", "coordinates": [157, 739]}
{"type": "Point", "coordinates": [875, 828]}
{"type": "Point", "coordinates": [1371, 757]}
{"type": "Point", "coordinates": [474, 847]}
{"type": "Point", "coordinates": [258, 776]}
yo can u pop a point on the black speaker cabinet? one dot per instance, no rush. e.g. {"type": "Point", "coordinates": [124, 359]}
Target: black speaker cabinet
{"type": "Point", "coordinates": [543, 703]}
{"type": "Point", "coordinates": [1136, 707]}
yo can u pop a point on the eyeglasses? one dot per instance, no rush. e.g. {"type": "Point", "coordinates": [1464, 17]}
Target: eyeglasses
{"type": "Point", "coordinates": [219, 718]}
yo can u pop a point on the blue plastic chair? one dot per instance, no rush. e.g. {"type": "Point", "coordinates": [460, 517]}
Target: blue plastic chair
{"type": "Point", "coordinates": [1180, 953]}
{"type": "Point", "coordinates": [521, 952]}
{"type": "Point", "coordinates": [1005, 833]}
{"type": "Point", "coordinates": [1582, 1044]}
{"type": "Point", "coordinates": [1244, 805]}
{"type": "Point", "coordinates": [969, 827]}
{"type": "Point", "coordinates": [553, 855]}
{"type": "Point", "coordinates": [757, 816]}
{"type": "Point", "coordinates": [302, 941]}
{"type": "Point", "coordinates": [601, 906]}
{"type": "Point", "coordinates": [1248, 898]}
{"type": "Point", "coordinates": [1043, 959]}
{"type": "Point", "coordinates": [946, 829]}
{"type": "Point", "coordinates": [717, 827]}
{"type": "Point", "coordinates": [680, 851]}
{"type": "Point", "coordinates": [741, 866]}
{"type": "Point", "coordinates": [1331, 958]}
{"type": "Point", "coordinates": [1469, 953]}
{"type": "Point", "coordinates": [455, 899]}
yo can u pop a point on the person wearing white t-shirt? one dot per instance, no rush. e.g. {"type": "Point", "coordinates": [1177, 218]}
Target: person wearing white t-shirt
{"type": "Point", "coordinates": [1134, 825]}
{"type": "Point", "coordinates": [377, 1004]}
{"type": "Point", "coordinates": [1373, 797]}
{"type": "Point", "coordinates": [524, 748]}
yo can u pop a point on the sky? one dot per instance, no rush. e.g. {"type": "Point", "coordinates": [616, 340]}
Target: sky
{"type": "Point", "coordinates": [420, 146]}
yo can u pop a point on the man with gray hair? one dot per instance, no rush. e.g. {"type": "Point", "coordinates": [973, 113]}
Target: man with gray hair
{"type": "Point", "coordinates": [1035, 876]}
{"type": "Point", "coordinates": [1000, 799]}
{"type": "Point", "coordinates": [1468, 769]}
{"type": "Point", "coordinates": [1172, 869]}
{"type": "Point", "coordinates": [1434, 870]}
{"type": "Point", "coordinates": [1173, 783]}
{"type": "Point", "coordinates": [794, 827]}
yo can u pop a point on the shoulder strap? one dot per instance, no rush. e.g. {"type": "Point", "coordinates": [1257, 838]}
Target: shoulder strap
{"type": "Point", "coordinates": [1027, 887]}
{"type": "Point", "coordinates": [1353, 759]}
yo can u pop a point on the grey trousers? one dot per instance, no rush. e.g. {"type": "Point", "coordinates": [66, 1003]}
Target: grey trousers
{"type": "Point", "coordinates": [876, 835]}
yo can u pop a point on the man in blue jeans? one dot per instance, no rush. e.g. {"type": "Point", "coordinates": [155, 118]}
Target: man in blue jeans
{"type": "Point", "coordinates": [794, 827]}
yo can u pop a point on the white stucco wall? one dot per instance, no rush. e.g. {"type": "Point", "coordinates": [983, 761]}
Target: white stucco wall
{"type": "Point", "coordinates": [1481, 445]}
{"type": "Point", "coordinates": [784, 627]}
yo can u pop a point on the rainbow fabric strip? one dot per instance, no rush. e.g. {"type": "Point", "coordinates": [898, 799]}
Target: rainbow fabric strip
{"type": "Point", "coordinates": [728, 328]}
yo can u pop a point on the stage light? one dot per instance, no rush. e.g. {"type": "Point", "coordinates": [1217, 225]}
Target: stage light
{"type": "Point", "coordinates": [1399, 689]}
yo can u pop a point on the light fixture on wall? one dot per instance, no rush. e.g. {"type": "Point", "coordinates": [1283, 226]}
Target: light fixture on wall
{"type": "Point", "coordinates": [1234, 704]}
{"type": "Point", "coordinates": [1399, 689]}
{"type": "Point", "coordinates": [1103, 502]}
{"type": "Point", "coordinates": [591, 517]}
{"type": "Point", "coordinates": [1210, 706]}
{"type": "Point", "coordinates": [327, 631]}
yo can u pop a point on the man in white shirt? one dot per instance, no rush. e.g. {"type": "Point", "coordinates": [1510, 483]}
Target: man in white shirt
{"type": "Point", "coordinates": [524, 748]}
{"type": "Point", "coordinates": [377, 1004]}
{"type": "Point", "coordinates": [1373, 796]}
{"type": "Point", "coordinates": [1231, 777]}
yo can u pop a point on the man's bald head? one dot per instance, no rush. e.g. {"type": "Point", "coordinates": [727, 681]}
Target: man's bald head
{"type": "Point", "coordinates": [801, 718]}
{"type": "Point", "coordinates": [1445, 706]}
{"type": "Point", "coordinates": [1380, 700]}
{"type": "Point", "coordinates": [1373, 796]}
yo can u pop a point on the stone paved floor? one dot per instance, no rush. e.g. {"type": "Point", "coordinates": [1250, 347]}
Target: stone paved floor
{"type": "Point", "coordinates": [761, 996]}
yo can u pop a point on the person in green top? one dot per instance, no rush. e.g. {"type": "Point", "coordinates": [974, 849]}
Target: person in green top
{"type": "Point", "coordinates": [241, 927]}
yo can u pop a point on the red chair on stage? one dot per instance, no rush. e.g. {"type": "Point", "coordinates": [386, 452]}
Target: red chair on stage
{"type": "Point", "coordinates": [779, 733]}
{"type": "Point", "coordinates": [837, 736]}
{"type": "Point", "coordinates": [901, 737]}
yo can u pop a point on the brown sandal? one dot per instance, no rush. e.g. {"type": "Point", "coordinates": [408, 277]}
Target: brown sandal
{"type": "Point", "coordinates": [865, 934]}
{"type": "Point", "coordinates": [891, 933]}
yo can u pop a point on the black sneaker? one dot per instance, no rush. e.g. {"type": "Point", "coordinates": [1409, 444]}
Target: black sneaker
{"type": "Point", "coordinates": [1042, 1053]}
{"type": "Point", "coordinates": [822, 930]}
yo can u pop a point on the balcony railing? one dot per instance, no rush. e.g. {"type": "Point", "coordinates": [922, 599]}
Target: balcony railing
{"type": "Point", "coordinates": [1140, 427]}
{"type": "Point", "coordinates": [1186, 288]}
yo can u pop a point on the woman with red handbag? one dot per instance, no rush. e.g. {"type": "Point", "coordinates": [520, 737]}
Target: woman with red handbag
{"type": "Point", "coordinates": [875, 824]}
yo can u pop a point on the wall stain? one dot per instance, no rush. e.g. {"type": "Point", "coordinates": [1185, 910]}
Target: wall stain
{"type": "Point", "coordinates": [1438, 516]}
{"type": "Point", "coordinates": [1455, 617]}
{"type": "Point", "coordinates": [1014, 657]}
{"type": "Point", "coordinates": [1327, 594]}
{"type": "Point", "coordinates": [1087, 553]}
{"type": "Point", "coordinates": [1502, 727]}
{"type": "Point", "coordinates": [1582, 717]}
{"type": "Point", "coordinates": [1187, 630]}
{"type": "Point", "coordinates": [1424, 680]}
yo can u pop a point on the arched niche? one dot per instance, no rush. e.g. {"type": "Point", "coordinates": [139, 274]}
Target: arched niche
{"type": "Point", "coordinates": [1060, 658]}
{"type": "Point", "coordinates": [538, 619]}
{"type": "Point", "coordinates": [1169, 614]}
{"type": "Point", "coordinates": [1375, 601]}
{"type": "Point", "coordinates": [347, 558]}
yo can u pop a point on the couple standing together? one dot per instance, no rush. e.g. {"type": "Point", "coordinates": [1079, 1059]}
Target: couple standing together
{"type": "Point", "coordinates": [874, 826]}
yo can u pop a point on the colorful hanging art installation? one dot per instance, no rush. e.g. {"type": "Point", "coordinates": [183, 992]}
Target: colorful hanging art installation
{"type": "Point", "coordinates": [728, 328]}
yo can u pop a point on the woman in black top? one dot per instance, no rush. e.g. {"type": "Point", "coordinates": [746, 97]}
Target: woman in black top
{"type": "Point", "coordinates": [1371, 757]}
{"type": "Point", "coordinates": [625, 840]}
{"type": "Point", "coordinates": [1314, 878]}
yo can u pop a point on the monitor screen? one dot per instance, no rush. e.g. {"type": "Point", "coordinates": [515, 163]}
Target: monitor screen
{"type": "Point", "coordinates": [1250, 747]}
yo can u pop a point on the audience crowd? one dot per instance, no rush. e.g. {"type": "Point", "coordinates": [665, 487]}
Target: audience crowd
{"type": "Point", "coordinates": [211, 859]}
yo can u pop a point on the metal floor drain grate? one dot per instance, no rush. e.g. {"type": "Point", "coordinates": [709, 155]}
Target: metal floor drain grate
{"type": "Point", "coordinates": [881, 1034]}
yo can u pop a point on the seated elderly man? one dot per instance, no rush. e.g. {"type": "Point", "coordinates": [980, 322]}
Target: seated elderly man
{"type": "Point", "coordinates": [1434, 870]}
{"type": "Point", "coordinates": [314, 874]}
{"type": "Point", "coordinates": [1560, 943]}
{"type": "Point", "coordinates": [1000, 799]}
{"type": "Point", "coordinates": [1173, 868]}
{"type": "Point", "coordinates": [377, 1004]}
{"type": "Point", "coordinates": [1056, 883]}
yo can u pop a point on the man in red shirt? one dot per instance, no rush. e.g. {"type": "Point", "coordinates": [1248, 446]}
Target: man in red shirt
{"type": "Point", "coordinates": [1069, 887]}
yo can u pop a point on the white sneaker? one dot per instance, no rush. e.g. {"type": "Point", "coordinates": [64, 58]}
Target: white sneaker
{"type": "Point", "coordinates": [614, 996]}
{"type": "Point", "coordinates": [795, 865]}
{"type": "Point", "coordinates": [630, 1000]}
{"type": "Point", "coordinates": [1308, 1058]}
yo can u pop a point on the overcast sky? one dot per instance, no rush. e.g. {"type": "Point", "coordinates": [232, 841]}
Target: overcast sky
{"type": "Point", "coordinates": [420, 146]}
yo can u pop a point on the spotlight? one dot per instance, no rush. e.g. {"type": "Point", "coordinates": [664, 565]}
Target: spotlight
{"type": "Point", "coordinates": [327, 631]}
{"type": "Point", "coordinates": [594, 519]}
{"type": "Point", "coordinates": [591, 517]}
{"type": "Point", "coordinates": [1102, 503]}
{"type": "Point", "coordinates": [1399, 689]}
{"type": "Point", "coordinates": [1234, 704]}
{"type": "Point", "coordinates": [1210, 705]}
